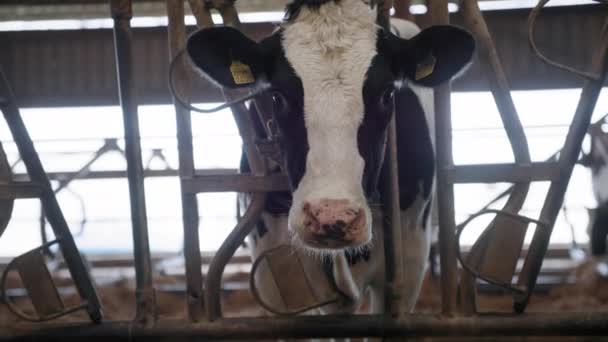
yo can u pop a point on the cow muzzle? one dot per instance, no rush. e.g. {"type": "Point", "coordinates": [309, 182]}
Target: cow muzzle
{"type": "Point", "coordinates": [334, 224]}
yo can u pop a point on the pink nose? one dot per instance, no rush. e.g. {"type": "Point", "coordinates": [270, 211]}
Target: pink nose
{"type": "Point", "coordinates": [333, 223]}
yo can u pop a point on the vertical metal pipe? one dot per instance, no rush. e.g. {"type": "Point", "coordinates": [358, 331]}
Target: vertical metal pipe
{"type": "Point", "coordinates": [226, 251]}
{"type": "Point", "coordinates": [438, 9]}
{"type": "Point", "coordinates": [201, 14]}
{"type": "Point", "coordinates": [145, 297]}
{"type": "Point", "coordinates": [35, 170]}
{"type": "Point", "coordinates": [567, 160]}
{"type": "Point", "coordinates": [402, 10]}
{"type": "Point", "coordinates": [190, 215]}
{"type": "Point", "coordinates": [490, 61]}
{"type": "Point", "coordinates": [384, 10]}
{"type": "Point", "coordinates": [393, 233]}
{"type": "Point", "coordinates": [393, 241]}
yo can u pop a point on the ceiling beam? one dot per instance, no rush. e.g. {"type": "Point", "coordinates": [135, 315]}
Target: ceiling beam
{"type": "Point", "coordinates": [76, 68]}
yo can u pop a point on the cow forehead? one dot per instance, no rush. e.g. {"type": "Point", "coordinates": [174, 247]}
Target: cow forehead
{"type": "Point", "coordinates": [331, 49]}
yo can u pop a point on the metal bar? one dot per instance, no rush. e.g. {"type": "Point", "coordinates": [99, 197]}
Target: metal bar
{"type": "Point", "coordinates": [125, 261]}
{"type": "Point", "coordinates": [213, 284]}
{"type": "Point", "coordinates": [558, 324]}
{"type": "Point", "coordinates": [438, 10]}
{"type": "Point", "coordinates": [202, 16]}
{"type": "Point", "coordinates": [20, 190]}
{"type": "Point", "coordinates": [121, 11]}
{"type": "Point", "coordinates": [108, 146]}
{"type": "Point", "coordinates": [61, 176]}
{"type": "Point", "coordinates": [494, 71]}
{"type": "Point", "coordinates": [229, 13]}
{"type": "Point", "coordinates": [190, 215]}
{"type": "Point", "coordinates": [512, 173]}
{"type": "Point", "coordinates": [394, 300]}
{"type": "Point", "coordinates": [36, 172]}
{"type": "Point", "coordinates": [393, 238]}
{"type": "Point", "coordinates": [567, 159]}
{"type": "Point", "coordinates": [402, 9]}
{"type": "Point", "coordinates": [261, 183]}
{"type": "Point", "coordinates": [496, 233]}
{"type": "Point", "coordinates": [236, 183]}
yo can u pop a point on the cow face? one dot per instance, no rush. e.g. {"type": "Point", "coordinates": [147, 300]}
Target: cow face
{"type": "Point", "coordinates": [333, 74]}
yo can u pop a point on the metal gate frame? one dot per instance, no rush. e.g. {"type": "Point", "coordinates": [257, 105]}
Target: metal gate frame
{"type": "Point", "coordinates": [204, 309]}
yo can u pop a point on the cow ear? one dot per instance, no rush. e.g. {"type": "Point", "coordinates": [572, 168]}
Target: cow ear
{"type": "Point", "coordinates": [226, 56]}
{"type": "Point", "coordinates": [436, 55]}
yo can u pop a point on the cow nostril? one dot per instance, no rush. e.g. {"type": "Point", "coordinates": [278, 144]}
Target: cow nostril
{"type": "Point", "coordinates": [326, 226]}
{"type": "Point", "coordinates": [340, 224]}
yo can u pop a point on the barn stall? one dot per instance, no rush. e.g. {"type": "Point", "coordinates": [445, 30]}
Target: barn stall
{"type": "Point", "coordinates": [480, 287]}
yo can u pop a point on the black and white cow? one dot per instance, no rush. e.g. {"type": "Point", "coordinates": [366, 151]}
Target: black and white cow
{"type": "Point", "coordinates": [336, 80]}
{"type": "Point", "coordinates": [597, 161]}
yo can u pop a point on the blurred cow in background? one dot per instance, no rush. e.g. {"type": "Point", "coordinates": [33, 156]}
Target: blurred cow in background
{"type": "Point", "coordinates": [597, 161]}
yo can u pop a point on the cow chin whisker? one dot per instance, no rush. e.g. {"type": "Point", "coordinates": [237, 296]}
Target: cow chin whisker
{"type": "Point", "coordinates": [361, 248]}
{"type": "Point", "coordinates": [321, 254]}
{"type": "Point", "coordinates": [325, 254]}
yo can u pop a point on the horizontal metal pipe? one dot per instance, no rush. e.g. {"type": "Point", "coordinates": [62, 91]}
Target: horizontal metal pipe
{"type": "Point", "coordinates": [512, 173]}
{"type": "Point", "coordinates": [63, 176]}
{"type": "Point", "coordinates": [559, 324]}
{"type": "Point", "coordinates": [239, 182]}
{"type": "Point", "coordinates": [20, 190]}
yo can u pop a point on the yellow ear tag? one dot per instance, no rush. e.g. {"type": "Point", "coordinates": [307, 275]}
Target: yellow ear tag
{"type": "Point", "coordinates": [426, 67]}
{"type": "Point", "coordinates": [241, 73]}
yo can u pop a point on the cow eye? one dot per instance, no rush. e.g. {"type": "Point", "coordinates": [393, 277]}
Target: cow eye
{"type": "Point", "coordinates": [386, 100]}
{"type": "Point", "coordinates": [279, 102]}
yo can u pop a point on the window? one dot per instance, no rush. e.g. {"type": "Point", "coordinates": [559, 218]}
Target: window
{"type": "Point", "coordinates": [66, 139]}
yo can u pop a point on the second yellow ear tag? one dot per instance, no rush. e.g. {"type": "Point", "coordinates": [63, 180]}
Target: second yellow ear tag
{"type": "Point", "coordinates": [241, 73]}
{"type": "Point", "coordinates": [426, 67]}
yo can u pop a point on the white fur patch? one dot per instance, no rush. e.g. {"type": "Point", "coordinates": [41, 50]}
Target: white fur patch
{"type": "Point", "coordinates": [331, 50]}
{"type": "Point", "coordinates": [600, 179]}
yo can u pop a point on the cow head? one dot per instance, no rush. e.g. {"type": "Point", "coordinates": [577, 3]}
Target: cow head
{"type": "Point", "coordinates": [333, 73]}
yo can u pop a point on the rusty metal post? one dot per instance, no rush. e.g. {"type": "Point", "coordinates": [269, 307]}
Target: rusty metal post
{"type": "Point", "coordinates": [35, 170]}
{"type": "Point", "coordinates": [567, 160]}
{"type": "Point", "coordinates": [438, 9]}
{"type": "Point", "coordinates": [190, 215]}
{"type": "Point", "coordinates": [145, 297]}
{"type": "Point", "coordinates": [495, 327]}
{"type": "Point", "coordinates": [393, 233]}
{"type": "Point", "coordinates": [502, 230]}
{"type": "Point", "coordinates": [222, 257]}
{"type": "Point", "coordinates": [201, 14]}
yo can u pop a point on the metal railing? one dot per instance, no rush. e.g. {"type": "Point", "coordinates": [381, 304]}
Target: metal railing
{"type": "Point", "coordinates": [202, 295]}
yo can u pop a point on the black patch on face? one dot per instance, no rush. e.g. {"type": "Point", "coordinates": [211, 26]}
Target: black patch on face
{"type": "Point", "coordinates": [378, 91]}
{"type": "Point", "coordinates": [293, 8]}
{"type": "Point", "coordinates": [599, 230]}
{"type": "Point", "coordinates": [354, 257]}
{"type": "Point", "coordinates": [289, 111]}
{"type": "Point", "coordinates": [427, 211]}
{"type": "Point", "coordinates": [261, 228]}
{"type": "Point", "coordinates": [415, 149]}
{"type": "Point", "coordinates": [415, 152]}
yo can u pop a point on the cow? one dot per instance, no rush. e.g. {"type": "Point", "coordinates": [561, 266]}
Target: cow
{"type": "Point", "coordinates": [597, 161]}
{"type": "Point", "coordinates": [336, 78]}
